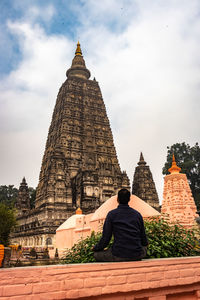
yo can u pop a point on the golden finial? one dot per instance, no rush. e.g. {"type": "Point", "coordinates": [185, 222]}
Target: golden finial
{"type": "Point", "coordinates": [79, 211]}
{"type": "Point", "coordinates": [78, 49]}
{"type": "Point", "coordinates": [174, 168]}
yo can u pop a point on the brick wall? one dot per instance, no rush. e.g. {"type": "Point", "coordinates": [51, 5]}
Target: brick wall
{"type": "Point", "coordinates": [156, 279]}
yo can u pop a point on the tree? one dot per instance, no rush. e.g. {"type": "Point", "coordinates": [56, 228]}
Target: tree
{"type": "Point", "coordinates": [188, 159]}
{"type": "Point", "coordinates": [32, 193]}
{"type": "Point", "coordinates": [7, 223]}
{"type": "Point", "coordinates": [8, 194]}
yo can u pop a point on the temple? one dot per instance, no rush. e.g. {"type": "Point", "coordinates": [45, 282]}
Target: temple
{"type": "Point", "coordinates": [79, 225]}
{"type": "Point", "coordinates": [23, 200]}
{"type": "Point", "coordinates": [80, 173]}
{"type": "Point", "coordinates": [143, 184]}
{"type": "Point", "coordinates": [178, 204]}
{"type": "Point", "coordinates": [178, 208]}
{"type": "Point", "coordinates": [80, 167]}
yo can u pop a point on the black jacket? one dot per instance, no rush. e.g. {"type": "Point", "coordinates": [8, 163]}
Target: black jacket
{"type": "Point", "coordinates": [126, 224]}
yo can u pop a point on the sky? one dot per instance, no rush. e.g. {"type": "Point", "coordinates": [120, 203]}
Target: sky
{"type": "Point", "coordinates": [145, 54]}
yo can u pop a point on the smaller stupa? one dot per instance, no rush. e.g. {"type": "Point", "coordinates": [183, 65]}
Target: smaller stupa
{"type": "Point", "coordinates": [23, 200]}
{"type": "Point", "coordinates": [143, 184]}
{"type": "Point", "coordinates": [178, 203]}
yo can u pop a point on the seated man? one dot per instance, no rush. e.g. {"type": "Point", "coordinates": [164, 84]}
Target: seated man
{"type": "Point", "coordinates": [127, 227]}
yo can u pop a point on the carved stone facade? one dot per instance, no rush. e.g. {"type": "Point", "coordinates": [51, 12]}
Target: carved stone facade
{"type": "Point", "coordinates": [80, 166]}
{"type": "Point", "coordinates": [23, 201]}
{"type": "Point", "coordinates": [143, 184]}
{"type": "Point", "coordinates": [178, 204]}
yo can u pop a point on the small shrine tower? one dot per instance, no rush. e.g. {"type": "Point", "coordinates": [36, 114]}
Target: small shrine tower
{"type": "Point", "coordinates": [178, 202]}
{"type": "Point", "coordinates": [23, 200]}
{"type": "Point", "coordinates": [143, 184]}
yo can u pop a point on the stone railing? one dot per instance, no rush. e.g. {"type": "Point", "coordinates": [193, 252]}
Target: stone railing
{"type": "Point", "coordinates": [155, 279]}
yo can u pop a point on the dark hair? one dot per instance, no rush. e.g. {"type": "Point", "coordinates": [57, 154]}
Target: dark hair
{"type": "Point", "coordinates": [124, 196]}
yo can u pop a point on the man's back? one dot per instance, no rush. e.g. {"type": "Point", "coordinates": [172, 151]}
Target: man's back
{"type": "Point", "coordinates": [126, 224]}
{"type": "Point", "coordinates": [128, 231]}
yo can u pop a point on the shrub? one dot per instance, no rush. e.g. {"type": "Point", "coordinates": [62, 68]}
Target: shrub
{"type": "Point", "coordinates": [82, 251]}
{"type": "Point", "coordinates": [164, 241]}
{"type": "Point", "coordinates": [33, 253]}
{"type": "Point", "coordinates": [7, 223]}
{"type": "Point", "coordinates": [170, 240]}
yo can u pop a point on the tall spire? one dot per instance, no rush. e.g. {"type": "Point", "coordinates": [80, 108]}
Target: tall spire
{"type": "Point", "coordinates": [143, 185]}
{"type": "Point", "coordinates": [78, 68]}
{"type": "Point", "coordinates": [78, 49]}
{"type": "Point", "coordinates": [142, 161]}
{"type": "Point", "coordinates": [174, 168]}
{"type": "Point", "coordinates": [23, 200]}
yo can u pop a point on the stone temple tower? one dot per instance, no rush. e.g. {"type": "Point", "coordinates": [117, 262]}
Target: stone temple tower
{"type": "Point", "coordinates": [23, 200]}
{"type": "Point", "coordinates": [178, 203]}
{"type": "Point", "coordinates": [143, 184]}
{"type": "Point", "coordinates": [80, 166]}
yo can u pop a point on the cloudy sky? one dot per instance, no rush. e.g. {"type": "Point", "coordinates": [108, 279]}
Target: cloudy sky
{"type": "Point", "coordinates": [145, 54]}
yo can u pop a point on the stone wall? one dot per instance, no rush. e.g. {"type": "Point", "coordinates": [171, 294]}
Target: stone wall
{"type": "Point", "coordinates": [156, 279]}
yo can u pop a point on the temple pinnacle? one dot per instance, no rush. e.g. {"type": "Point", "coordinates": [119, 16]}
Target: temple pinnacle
{"type": "Point", "coordinates": [78, 68]}
{"type": "Point", "coordinates": [174, 168]}
{"type": "Point", "coordinates": [142, 161]}
{"type": "Point", "coordinates": [79, 211]}
{"type": "Point", "coordinates": [78, 49]}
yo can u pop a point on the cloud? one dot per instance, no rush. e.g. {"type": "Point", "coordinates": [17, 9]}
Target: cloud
{"type": "Point", "coordinates": [35, 13]}
{"type": "Point", "coordinates": [27, 99]}
{"type": "Point", "coordinates": [145, 55]}
{"type": "Point", "coordinates": [152, 81]}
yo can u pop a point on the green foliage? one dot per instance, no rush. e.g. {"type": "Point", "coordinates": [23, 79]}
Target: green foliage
{"type": "Point", "coordinates": [8, 195]}
{"type": "Point", "coordinates": [33, 253]}
{"type": "Point", "coordinates": [188, 159]}
{"type": "Point", "coordinates": [170, 240]}
{"type": "Point", "coordinates": [82, 251]}
{"type": "Point", "coordinates": [164, 241]}
{"type": "Point", "coordinates": [7, 223]}
{"type": "Point", "coordinates": [32, 193]}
